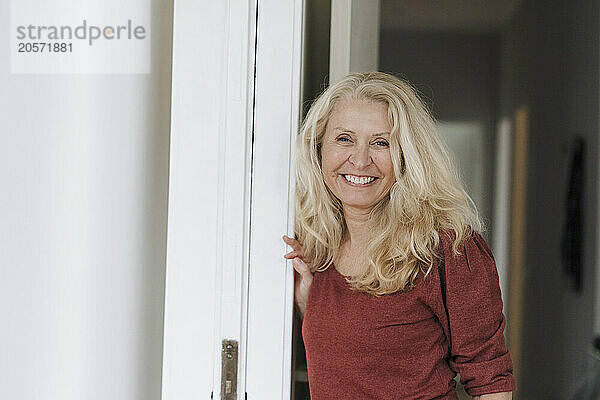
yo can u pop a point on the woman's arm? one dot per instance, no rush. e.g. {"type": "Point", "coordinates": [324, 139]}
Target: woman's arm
{"type": "Point", "coordinates": [478, 349]}
{"type": "Point", "coordinates": [495, 396]}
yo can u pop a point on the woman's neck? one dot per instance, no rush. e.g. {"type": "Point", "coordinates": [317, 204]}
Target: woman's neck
{"type": "Point", "coordinates": [358, 227]}
{"type": "Point", "coordinates": [349, 260]}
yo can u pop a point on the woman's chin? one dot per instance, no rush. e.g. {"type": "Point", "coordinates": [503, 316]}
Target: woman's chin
{"type": "Point", "coordinates": [363, 206]}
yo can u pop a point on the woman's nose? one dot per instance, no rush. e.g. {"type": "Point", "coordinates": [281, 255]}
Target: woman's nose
{"type": "Point", "coordinates": [361, 156]}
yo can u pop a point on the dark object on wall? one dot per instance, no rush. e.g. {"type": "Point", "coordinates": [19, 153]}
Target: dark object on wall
{"type": "Point", "coordinates": [572, 245]}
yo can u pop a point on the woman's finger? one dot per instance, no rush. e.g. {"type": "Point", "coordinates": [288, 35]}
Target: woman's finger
{"type": "Point", "coordinates": [293, 243]}
{"type": "Point", "coordinates": [302, 268]}
{"type": "Point", "coordinates": [297, 249]}
{"type": "Point", "coordinates": [297, 254]}
{"type": "Point", "coordinates": [293, 254]}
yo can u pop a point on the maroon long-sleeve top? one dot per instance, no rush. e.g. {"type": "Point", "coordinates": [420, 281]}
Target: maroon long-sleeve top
{"type": "Point", "coordinates": [410, 345]}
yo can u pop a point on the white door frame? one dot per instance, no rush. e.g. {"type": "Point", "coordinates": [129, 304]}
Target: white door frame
{"type": "Point", "coordinates": [502, 196]}
{"type": "Point", "coordinates": [276, 119]}
{"type": "Point", "coordinates": [354, 38]}
{"type": "Point", "coordinates": [226, 277]}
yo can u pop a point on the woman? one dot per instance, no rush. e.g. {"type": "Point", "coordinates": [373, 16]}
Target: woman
{"type": "Point", "coordinates": [398, 290]}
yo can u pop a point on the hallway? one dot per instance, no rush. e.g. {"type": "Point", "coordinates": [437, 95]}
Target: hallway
{"type": "Point", "coordinates": [519, 80]}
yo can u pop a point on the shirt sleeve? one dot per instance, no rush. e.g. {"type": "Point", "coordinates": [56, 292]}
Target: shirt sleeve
{"type": "Point", "coordinates": [475, 322]}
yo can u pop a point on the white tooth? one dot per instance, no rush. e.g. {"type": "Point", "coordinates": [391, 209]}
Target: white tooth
{"type": "Point", "coordinates": [359, 180]}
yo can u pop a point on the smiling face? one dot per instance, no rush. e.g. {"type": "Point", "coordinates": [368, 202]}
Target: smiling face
{"type": "Point", "coordinates": [355, 154]}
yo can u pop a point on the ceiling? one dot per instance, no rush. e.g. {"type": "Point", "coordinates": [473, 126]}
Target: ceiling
{"type": "Point", "coordinates": [461, 15]}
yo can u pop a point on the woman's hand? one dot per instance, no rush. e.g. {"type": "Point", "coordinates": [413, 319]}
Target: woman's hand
{"type": "Point", "coordinates": [495, 396]}
{"type": "Point", "coordinates": [303, 277]}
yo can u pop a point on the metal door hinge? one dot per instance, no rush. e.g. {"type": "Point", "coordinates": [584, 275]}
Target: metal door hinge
{"type": "Point", "coordinates": [229, 365]}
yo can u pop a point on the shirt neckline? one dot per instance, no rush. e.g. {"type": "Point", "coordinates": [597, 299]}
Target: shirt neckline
{"type": "Point", "coordinates": [339, 274]}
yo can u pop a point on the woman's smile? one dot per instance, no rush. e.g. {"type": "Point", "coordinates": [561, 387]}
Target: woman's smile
{"type": "Point", "coordinates": [359, 181]}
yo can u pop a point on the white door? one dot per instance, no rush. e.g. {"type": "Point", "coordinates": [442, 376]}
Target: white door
{"type": "Point", "coordinates": [235, 111]}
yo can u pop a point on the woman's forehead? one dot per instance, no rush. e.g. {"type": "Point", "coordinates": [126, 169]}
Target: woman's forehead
{"type": "Point", "coordinates": [360, 117]}
{"type": "Point", "coordinates": [350, 101]}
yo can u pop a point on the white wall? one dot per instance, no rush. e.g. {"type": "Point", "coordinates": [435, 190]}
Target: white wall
{"type": "Point", "coordinates": [83, 169]}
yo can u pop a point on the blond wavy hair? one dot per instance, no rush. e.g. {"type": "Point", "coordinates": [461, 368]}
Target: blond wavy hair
{"type": "Point", "coordinates": [427, 198]}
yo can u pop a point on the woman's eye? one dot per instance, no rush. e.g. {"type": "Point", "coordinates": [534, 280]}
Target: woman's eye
{"type": "Point", "coordinates": [382, 143]}
{"type": "Point", "coordinates": [342, 139]}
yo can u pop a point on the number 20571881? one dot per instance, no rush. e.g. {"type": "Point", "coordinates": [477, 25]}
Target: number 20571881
{"type": "Point", "coordinates": [45, 47]}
